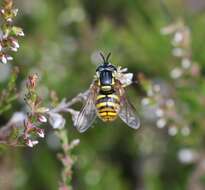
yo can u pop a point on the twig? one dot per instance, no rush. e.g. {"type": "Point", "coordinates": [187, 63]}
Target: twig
{"type": "Point", "coordinates": [64, 106]}
{"type": "Point", "coordinates": [17, 120]}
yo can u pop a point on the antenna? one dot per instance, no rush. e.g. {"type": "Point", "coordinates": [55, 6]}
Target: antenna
{"type": "Point", "coordinates": [105, 60]}
{"type": "Point", "coordinates": [103, 57]}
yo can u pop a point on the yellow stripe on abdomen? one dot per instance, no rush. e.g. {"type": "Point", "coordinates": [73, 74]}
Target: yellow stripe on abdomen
{"type": "Point", "coordinates": [100, 96]}
{"type": "Point", "coordinates": [112, 113]}
{"type": "Point", "coordinates": [107, 106]}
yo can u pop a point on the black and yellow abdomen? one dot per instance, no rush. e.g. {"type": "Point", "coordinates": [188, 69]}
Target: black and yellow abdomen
{"type": "Point", "coordinates": [107, 106]}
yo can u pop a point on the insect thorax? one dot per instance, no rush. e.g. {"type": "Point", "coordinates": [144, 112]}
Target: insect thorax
{"type": "Point", "coordinates": [106, 81]}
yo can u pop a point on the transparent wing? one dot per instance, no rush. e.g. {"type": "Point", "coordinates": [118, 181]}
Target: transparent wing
{"type": "Point", "coordinates": [127, 111]}
{"type": "Point", "coordinates": [128, 114]}
{"type": "Point", "coordinates": [88, 112]}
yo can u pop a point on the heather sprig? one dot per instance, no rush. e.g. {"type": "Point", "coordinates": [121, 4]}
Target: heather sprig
{"type": "Point", "coordinates": [163, 106]}
{"type": "Point", "coordinates": [36, 115]}
{"type": "Point", "coordinates": [67, 159]}
{"type": "Point", "coordinates": [181, 49]}
{"type": "Point", "coordinates": [9, 32]}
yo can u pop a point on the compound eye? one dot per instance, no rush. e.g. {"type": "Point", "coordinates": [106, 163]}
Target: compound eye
{"type": "Point", "coordinates": [109, 68]}
{"type": "Point", "coordinates": [99, 69]}
{"type": "Point", "coordinates": [112, 68]}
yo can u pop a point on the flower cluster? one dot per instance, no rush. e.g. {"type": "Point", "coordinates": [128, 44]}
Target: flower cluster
{"type": "Point", "coordinates": [123, 77]}
{"type": "Point", "coordinates": [163, 106]}
{"type": "Point", "coordinates": [181, 42]}
{"type": "Point", "coordinates": [36, 115]}
{"type": "Point", "coordinates": [9, 33]}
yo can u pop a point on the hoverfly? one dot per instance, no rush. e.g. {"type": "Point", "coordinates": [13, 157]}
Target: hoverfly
{"type": "Point", "coordinates": [106, 99]}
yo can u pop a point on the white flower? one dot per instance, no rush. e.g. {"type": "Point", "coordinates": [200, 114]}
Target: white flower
{"type": "Point", "coordinates": [56, 120]}
{"type": "Point", "coordinates": [121, 70]}
{"type": "Point", "coordinates": [2, 11]}
{"type": "Point", "coordinates": [31, 143]}
{"type": "Point", "coordinates": [172, 130]}
{"type": "Point", "coordinates": [161, 123]}
{"type": "Point", "coordinates": [15, 11]}
{"type": "Point", "coordinates": [9, 19]}
{"type": "Point", "coordinates": [159, 112]}
{"type": "Point", "coordinates": [9, 58]}
{"type": "Point", "coordinates": [40, 133]}
{"type": "Point", "coordinates": [176, 73]}
{"type": "Point", "coordinates": [21, 33]}
{"type": "Point", "coordinates": [74, 143]}
{"type": "Point", "coordinates": [156, 87]}
{"type": "Point", "coordinates": [3, 59]}
{"type": "Point", "coordinates": [186, 63]}
{"type": "Point", "coordinates": [35, 142]}
{"type": "Point", "coordinates": [14, 49]}
{"type": "Point", "coordinates": [168, 29]}
{"type": "Point", "coordinates": [124, 78]}
{"type": "Point", "coordinates": [178, 38]}
{"type": "Point", "coordinates": [178, 52]}
{"type": "Point", "coordinates": [15, 44]}
{"type": "Point", "coordinates": [170, 103]}
{"type": "Point", "coordinates": [185, 131]}
{"type": "Point", "coordinates": [145, 101]}
{"type": "Point", "coordinates": [187, 156]}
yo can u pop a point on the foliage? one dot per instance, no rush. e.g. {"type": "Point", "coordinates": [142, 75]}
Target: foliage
{"type": "Point", "coordinates": [62, 44]}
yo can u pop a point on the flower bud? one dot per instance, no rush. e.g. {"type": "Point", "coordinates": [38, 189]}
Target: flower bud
{"type": "Point", "coordinates": [3, 59]}
{"type": "Point", "coordinates": [42, 119]}
{"type": "Point", "coordinates": [31, 143]}
{"type": "Point", "coordinates": [32, 80]}
{"type": "Point", "coordinates": [74, 143]}
{"type": "Point", "coordinates": [40, 133]}
{"type": "Point", "coordinates": [34, 143]}
{"type": "Point", "coordinates": [17, 31]}
{"type": "Point", "coordinates": [9, 58]}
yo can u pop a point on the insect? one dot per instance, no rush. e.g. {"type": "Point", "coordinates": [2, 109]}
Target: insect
{"type": "Point", "coordinates": [106, 99]}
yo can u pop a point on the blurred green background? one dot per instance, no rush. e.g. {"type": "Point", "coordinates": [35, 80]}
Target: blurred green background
{"type": "Point", "coordinates": [62, 41]}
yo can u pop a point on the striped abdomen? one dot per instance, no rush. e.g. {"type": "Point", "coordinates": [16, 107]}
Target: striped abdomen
{"type": "Point", "coordinates": [107, 106]}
